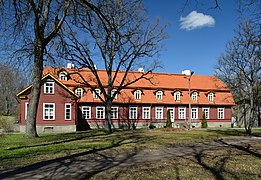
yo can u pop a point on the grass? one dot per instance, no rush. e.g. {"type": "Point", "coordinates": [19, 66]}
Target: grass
{"type": "Point", "coordinates": [17, 151]}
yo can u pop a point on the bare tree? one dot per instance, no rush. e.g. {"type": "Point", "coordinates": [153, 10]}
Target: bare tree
{"type": "Point", "coordinates": [240, 69]}
{"type": "Point", "coordinates": [121, 42]}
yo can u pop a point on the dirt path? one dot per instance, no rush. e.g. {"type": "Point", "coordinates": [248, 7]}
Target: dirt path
{"type": "Point", "coordinates": [87, 164]}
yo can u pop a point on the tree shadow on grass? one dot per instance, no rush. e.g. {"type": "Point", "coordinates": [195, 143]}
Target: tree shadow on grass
{"type": "Point", "coordinates": [81, 165]}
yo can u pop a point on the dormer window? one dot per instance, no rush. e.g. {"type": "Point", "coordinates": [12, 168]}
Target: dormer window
{"type": "Point", "coordinates": [49, 87]}
{"type": "Point", "coordinates": [159, 95]}
{"type": "Point", "coordinates": [177, 95]}
{"type": "Point", "coordinates": [79, 92]}
{"type": "Point", "coordinates": [137, 94]}
{"type": "Point", "coordinates": [211, 97]}
{"type": "Point", "coordinates": [63, 76]}
{"type": "Point", "coordinates": [114, 92]}
{"type": "Point", "coordinates": [194, 96]}
{"type": "Point", "coordinates": [96, 93]}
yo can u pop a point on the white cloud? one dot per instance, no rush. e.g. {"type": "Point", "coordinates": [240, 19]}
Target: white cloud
{"type": "Point", "coordinates": [196, 20]}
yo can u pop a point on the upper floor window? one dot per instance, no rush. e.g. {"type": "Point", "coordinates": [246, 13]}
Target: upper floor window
{"type": "Point", "coordinates": [177, 95]}
{"type": "Point", "coordinates": [194, 96]}
{"type": "Point", "coordinates": [96, 93]}
{"type": "Point", "coordinates": [114, 92]}
{"type": "Point", "coordinates": [49, 87]}
{"type": "Point", "coordinates": [159, 95]}
{"type": "Point", "coordinates": [137, 94]}
{"type": "Point", "coordinates": [63, 76]}
{"type": "Point", "coordinates": [211, 97]}
{"type": "Point", "coordinates": [79, 92]}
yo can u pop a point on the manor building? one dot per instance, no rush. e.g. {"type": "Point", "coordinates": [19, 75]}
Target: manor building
{"type": "Point", "coordinates": [66, 105]}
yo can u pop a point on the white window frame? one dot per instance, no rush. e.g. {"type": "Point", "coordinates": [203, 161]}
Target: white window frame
{"type": "Point", "coordinates": [159, 112]}
{"type": "Point", "coordinates": [194, 96]}
{"type": "Point", "coordinates": [63, 76]}
{"type": "Point", "coordinates": [49, 87]}
{"type": "Point", "coordinates": [112, 93]}
{"type": "Point", "coordinates": [159, 95]}
{"type": "Point", "coordinates": [133, 112]}
{"type": "Point", "coordinates": [183, 114]}
{"type": "Point", "coordinates": [211, 97]}
{"type": "Point", "coordinates": [146, 112]}
{"type": "Point", "coordinates": [194, 113]}
{"type": "Point", "coordinates": [172, 113]}
{"type": "Point", "coordinates": [114, 112]}
{"type": "Point", "coordinates": [26, 110]}
{"type": "Point", "coordinates": [206, 110]}
{"type": "Point", "coordinates": [79, 92]}
{"type": "Point", "coordinates": [69, 111]}
{"type": "Point", "coordinates": [177, 95]}
{"type": "Point", "coordinates": [49, 113]}
{"type": "Point", "coordinates": [86, 112]}
{"type": "Point", "coordinates": [137, 94]}
{"type": "Point", "coordinates": [96, 92]}
{"type": "Point", "coordinates": [221, 113]}
{"type": "Point", "coordinates": [100, 112]}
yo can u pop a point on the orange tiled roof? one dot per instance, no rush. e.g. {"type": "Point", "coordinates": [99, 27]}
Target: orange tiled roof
{"type": "Point", "coordinates": [167, 82]}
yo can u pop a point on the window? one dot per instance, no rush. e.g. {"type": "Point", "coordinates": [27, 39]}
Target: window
{"type": "Point", "coordinates": [26, 110]}
{"type": "Point", "coordinates": [177, 96]}
{"type": "Point", "coordinates": [63, 76]}
{"type": "Point", "coordinates": [206, 111]}
{"type": "Point", "coordinates": [194, 96]}
{"type": "Point", "coordinates": [145, 112]}
{"type": "Point", "coordinates": [211, 97]}
{"type": "Point", "coordinates": [221, 113]}
{"type": "Point", "coordinates": [114, 112]}
{"type": "Point", "coordinates": [68, 111]}
{"type": "Point", "coordinates": [100, 112]}
{"type": "Point", "coordinates": [159, 95]}
{"type": "Point", "coordinates": [79, 92]}
{"type": "Point", "coordinates": [171, 111]}
{"type": "Point", "coordinates": [159, 113]}
{"type": "Point", "coordinates": [182, 113]}
{"type": "Point", "coordinates": [48, 111]}
{"type": "Point", "coordinates": [96, 93]}
{"type": "Point", "coordinates": [133, 113]}
{"type": "Point", "coordinates": [114, 92]}
{"type": "Point", "coordinates": [86, 112]}
{"type": "Point", "coordinates": [49, 87]}
{"type": "Point", "coordinates": [137, 94]}
{"type": "Point", "coordinates": [194, 113]}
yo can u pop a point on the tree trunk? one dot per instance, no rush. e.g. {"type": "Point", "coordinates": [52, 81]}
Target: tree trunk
{"type": "Point", "coordinates": [35, 93]}
{"type": "Point", "coordinates": [108, 121]}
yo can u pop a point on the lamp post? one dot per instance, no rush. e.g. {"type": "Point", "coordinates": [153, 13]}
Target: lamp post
{"type": "Point", "coordinates": [189, 98]}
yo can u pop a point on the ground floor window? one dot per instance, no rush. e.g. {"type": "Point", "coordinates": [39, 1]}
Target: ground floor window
{"type": "Point", "coordinates": [159, 112]}
{"type": "Point", "coordinates": [182, 113]}
{"type": "Point", "coordinates": [68, 111]}
{"type": "Point", "coordinates": [100, 112]}
{"type": "Point", "coordinates": [48, 111]}
{"type": "Point", "coordinates": [114, 112]}
{"type": "Point", "coordinates": [86, 112]}
{"type": "Point", "coordinates": [26, 110]}
{"type": "Point", "coordinates": [171, 112]}
{"type": "Point", "coordinates": [145, 112]}
{"type": "Point", "coordinates": [194, 113]}
{"type": "Point", "coordinates": [133, 113]}
{"type": "Point", "coordinates": [206, 111]}
{"type": "Point", "coordinates": [221, 113]}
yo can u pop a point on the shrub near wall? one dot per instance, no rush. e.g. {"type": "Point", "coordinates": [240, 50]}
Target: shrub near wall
{"type": "Point", "coordinates": [6, 123]}
{"type": "Point", "coordinates": [204, 123]}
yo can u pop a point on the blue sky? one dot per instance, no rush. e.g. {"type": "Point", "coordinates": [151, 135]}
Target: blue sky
{"type": "Point", "coordinates": [204, 35]}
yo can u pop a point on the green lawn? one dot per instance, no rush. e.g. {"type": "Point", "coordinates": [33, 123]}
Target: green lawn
{"type": "Point", "coordinates": [17, 151]}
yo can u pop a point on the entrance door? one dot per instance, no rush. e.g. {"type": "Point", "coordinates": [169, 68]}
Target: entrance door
{"type": "Point", "coordinates": [171, 110]}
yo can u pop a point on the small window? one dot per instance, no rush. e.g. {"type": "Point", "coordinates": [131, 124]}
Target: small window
{"type": "Point", "coordinates": [211, 97]}
{"type": "Point", "coordinates": [159, 95]}
{"type": "Point", "coordinates": [133, 113]}
{"type": "Point", "coordinates": [159, 113]}
{"type": "Point", "coordinates": [100, 112]}
{"type": "Point", "coordinates": [96, 93]}
{"type": "Point", "coordinates": [177, 95]}
{"type": "Point", "coordinates": [26, 110]}
{"type": "Point", "coordinates": [48, 111]}
{"type": "Point", "coordinates": [221, 113]}
{"type": "Point", "coordinates": [49, 87]}
{"type": "Point", "coordinates": [79, 92]}
{"type": "Point", "coordinates": [194, 113]}
{"type": "Point", "coordinates": [114, 112]}
{"type": "Point", "coordinates": [206, 111]}
{"type": "Point", "coordinates": [182, 113]}
{"type": "Point", "coordinates": [114, 92]}
{"type": "Point", "coordinates": [194, 96]}
{"type": "Point", "coordinates": [86, 112]}
{"type": "Point", "coordinates": [63, 76]}
{"type": "Point", "coordinates": [68, 111]}
{"type": "Point", "coordinates": [137, 94]}
{"type": "Point", "coordinates": [145, 112]}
